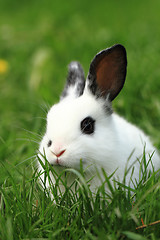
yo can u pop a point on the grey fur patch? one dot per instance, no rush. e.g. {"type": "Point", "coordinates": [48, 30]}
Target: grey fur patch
{"type": "Point", "coordinates": [108, 106]}
{"type": "Point", "coordinates": [75, 79]}
{"type": "Point", "coordinates": [93, 88]}
{"type": "Point", "coordinates": [92, 85]}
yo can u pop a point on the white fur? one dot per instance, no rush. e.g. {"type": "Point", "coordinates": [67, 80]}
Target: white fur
{"type": "Point", "coordinates": [115, 144]}
{"type": "Point", "coordinates": [109, 147]}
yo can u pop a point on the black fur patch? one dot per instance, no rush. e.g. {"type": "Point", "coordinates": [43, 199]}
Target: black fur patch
{"type": "Point", "coordinates": [101, 73]}
{"type": "Point", "coordinates": [120, 60]}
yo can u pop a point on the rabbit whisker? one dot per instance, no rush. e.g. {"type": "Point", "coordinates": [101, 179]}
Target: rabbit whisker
{"type": "Point", "coordinates": [27, 140]}
{"type": "Point", "coordinates": [34, 156]}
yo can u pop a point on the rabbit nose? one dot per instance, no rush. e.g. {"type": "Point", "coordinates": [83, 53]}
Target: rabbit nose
{"type": "Point", "coordinates": [58, 154]}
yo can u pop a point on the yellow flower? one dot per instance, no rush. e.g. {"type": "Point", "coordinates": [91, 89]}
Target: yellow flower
{"type": "Point", "coordinates": [3, 66]}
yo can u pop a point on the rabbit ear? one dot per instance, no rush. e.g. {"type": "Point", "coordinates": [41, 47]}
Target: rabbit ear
{"type": "Point", "coordinates": [75, 81]}
{"type": "Point", "coordinates": [108, 71]}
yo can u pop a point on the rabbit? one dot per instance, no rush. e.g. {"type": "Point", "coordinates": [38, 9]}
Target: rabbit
{"type": "Point", "coordinates": [82, 125]}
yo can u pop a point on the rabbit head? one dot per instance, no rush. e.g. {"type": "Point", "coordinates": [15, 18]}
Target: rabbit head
{"type": "Point", "coordinates": [80, 126]}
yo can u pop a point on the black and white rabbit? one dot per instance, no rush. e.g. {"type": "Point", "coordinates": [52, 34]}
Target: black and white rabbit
{"type": "Point", "coordinates": [83, 125]}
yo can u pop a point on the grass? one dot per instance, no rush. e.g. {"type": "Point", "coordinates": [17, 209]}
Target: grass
{"type": "Point", "coordinates": [37, 41]}
{"type": "Point", "coordinates": [27, 211]}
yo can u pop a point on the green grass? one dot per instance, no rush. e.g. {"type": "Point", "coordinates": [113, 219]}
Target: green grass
{"type": "Point", "coordinates": [38, 39]}
{"type": "Point", "coordinates": [27, 211]}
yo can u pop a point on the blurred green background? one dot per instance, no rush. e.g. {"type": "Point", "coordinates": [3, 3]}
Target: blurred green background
{"type": "Point", "coordinates": [39, 38]}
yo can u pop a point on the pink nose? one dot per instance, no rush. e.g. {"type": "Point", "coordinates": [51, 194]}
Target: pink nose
{"type": "Point", "coordinates": [59, 153]}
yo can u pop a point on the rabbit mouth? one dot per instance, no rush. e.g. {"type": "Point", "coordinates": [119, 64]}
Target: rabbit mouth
{"type": "Point", "coordinates": [58, 162]}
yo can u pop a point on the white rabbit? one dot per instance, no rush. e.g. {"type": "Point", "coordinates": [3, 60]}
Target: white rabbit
{"type": "Point", "coordinates": [83, 126]}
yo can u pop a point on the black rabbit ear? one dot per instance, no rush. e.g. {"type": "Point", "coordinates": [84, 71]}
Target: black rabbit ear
{"type": "Point", "coordinates": [75, 81]}
{"type": "Point", "coordinates": [108, 71]}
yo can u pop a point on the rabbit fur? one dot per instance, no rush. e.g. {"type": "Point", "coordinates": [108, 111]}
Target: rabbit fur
{"type": "Point", "coordinates": [83, 126]}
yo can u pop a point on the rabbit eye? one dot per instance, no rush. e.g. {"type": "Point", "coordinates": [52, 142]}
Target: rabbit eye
{"type": "Point", "coordinates": [88, 125]}
{"type": "Point", "coordinates": [49, 143]}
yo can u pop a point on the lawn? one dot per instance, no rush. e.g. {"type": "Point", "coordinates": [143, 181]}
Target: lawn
{"type": "Point", "coordinates": [38, 39]}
